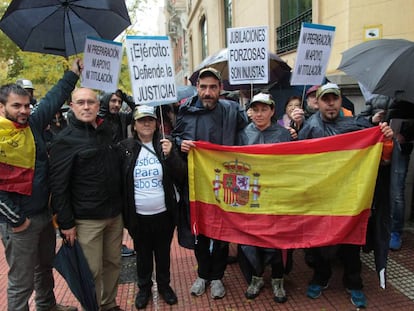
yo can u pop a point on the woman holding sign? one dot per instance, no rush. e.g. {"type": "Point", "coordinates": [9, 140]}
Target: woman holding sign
{"type": "Point", "coordinates": [150, 167]}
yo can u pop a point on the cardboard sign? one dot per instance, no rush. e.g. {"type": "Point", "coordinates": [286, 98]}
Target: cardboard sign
{"type": "Point", "coordinates": [248, 58]}
{"type": "Point", "coordinates": [150, 62]}
{"type": "Point", "coordinates": [102, 64]}
{"type": "Point", "coordinates": [314, 49]}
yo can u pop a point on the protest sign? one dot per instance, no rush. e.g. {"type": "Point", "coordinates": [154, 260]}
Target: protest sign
{"type": "Point", "coordinates": [247, 55]}
{"type": "Point", "coordinates": [102, 64]}
{"type": "Point", "coordinates": [314, 49]}
{"type": "Point", "coordinates": [151, 69]}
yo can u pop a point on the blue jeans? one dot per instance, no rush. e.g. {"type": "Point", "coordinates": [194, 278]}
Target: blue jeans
{"type": "Point", "coordinates": [30, 255]}
{"type": "Point", "coordinates": [399, 167]}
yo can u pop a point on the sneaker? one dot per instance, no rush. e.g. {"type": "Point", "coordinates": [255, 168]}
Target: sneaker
{"type": "Point", "coordinates": [314, 290]}
{"type": "Point", "coordinates": [199, 287]}
{"type": "Point", "coordinates": [395, 241]}
{"type": "Point", "coordinates": [126, 252]}
{"type": "Point", "coordinates": [217, 289]}
{"type": "Point", "coordinates": [59, 307]}
{"type": "Point", "coordinates": [357, 298]}
{"type": "Point", "coordinates": [278, 291]}
{"type": "Point", "coordinates": [254, 288]}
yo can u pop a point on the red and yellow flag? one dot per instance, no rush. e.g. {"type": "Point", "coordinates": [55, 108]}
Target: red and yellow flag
{"type": "Point", "coordinates": [300, 194]}
{"type": "Point", "coordinates": [17, 157]}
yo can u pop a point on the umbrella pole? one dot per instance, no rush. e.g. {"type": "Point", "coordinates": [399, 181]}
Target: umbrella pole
{"type": "Point", "coordinates": [162, 123]}
{"type": "Point", "coordinates": [303, 97]}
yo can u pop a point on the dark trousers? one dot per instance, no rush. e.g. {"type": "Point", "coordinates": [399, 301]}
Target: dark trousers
{"type": "Point", "coordinates": [211, 257]}
{"type": "Point", "coordinates": [348, 254]}
{"type": "Point", "coordinates": [153, 241]}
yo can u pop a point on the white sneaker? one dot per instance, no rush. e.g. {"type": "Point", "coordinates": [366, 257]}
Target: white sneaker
{"type": "Point", "coordinates": [199, 287]}
{"type": "Point", "coordinates": [217, 289]}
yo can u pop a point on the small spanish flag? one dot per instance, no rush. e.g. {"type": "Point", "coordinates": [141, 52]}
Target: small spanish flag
{"type": "Point", "coordinates": [17, 157]}
{"type": "Point", "coordinates": [299, 194]}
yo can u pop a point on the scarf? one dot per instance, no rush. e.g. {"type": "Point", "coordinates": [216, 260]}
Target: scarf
{"type": "Point", "coordinates": [17, 157]}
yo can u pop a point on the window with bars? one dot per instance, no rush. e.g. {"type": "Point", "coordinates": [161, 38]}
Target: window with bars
{"type": "Point", "coordinates": [288, 33]}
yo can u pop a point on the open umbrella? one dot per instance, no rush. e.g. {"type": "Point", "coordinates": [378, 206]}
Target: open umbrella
{"type": "Point", "coordinates": [278, 69]}
{"type": "Point", "coordinates": [71, 263]}
{"type": "Point", "coordinates": [383, 66]}
{"type": "Point", "coordinates": [60, 27]}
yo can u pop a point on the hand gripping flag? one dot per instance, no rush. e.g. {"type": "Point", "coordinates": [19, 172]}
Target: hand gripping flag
{"type": "Point", "coordinates": [300, 194]}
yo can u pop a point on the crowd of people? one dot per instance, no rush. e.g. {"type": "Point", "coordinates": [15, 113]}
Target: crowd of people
{"type": "Point", "coordinates": [101, 171]}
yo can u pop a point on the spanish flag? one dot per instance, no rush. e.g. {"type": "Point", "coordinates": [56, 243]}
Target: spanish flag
{"type": "Point", "coordinates": [298, 194]}
{"type": "Point", "coordinates": [17, 157]}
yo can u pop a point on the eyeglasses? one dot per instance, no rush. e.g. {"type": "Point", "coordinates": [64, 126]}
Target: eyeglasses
{"type": "Point", "coordinates": [82, 102]}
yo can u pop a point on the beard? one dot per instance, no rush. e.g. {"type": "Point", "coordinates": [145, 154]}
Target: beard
{"type": "Point", "coordinates": [11, 118]}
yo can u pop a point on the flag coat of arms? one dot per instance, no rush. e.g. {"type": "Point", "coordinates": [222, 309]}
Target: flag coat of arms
{"type": "Point", "coordinates": [299, 194]}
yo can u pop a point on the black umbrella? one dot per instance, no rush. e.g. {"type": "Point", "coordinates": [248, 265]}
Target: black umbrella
{"type": "Point", "coordinates": [60, 27]}
{"type": "Point", "coordinates": [383, 66]}
{"type": "Point", "coordinates": [71, 263]}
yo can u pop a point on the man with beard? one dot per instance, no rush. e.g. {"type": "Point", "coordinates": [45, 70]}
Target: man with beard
{"type": "Point", "coordinates": [208, 118]}
{"type": "Point", "coordinates": [26, 225]}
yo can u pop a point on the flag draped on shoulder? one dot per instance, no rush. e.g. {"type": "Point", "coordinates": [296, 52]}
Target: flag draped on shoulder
{"type": "Point", "coordinates": [298, 194]}
{"type": "Point", "coordinates": [17, 157]}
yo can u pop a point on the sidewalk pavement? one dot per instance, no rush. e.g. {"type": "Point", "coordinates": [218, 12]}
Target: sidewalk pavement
{"type": "Point", "coordinates": [399, 294]}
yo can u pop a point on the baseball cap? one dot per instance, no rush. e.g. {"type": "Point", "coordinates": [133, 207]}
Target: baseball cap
{"type": "Point", "coordinates": [143, 111]}
{"type": "Point", "coordinates": [25, 83]}
{"type": "Point", "coordinates": [210, 71]}
{"type": "Point", "coordinates": [312, 89]}
{"type": "Point", "coordinates": [328, 88]}
{"type": "Point", "coordinates": [263, 98]}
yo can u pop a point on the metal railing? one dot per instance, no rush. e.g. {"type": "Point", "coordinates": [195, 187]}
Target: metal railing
{"type": "Point", "coordinates": [288, 33]}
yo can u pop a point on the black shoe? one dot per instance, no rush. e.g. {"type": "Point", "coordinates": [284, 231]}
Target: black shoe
{"type": "Point", "coordinates": [168, 295]}
{"type": "Point", "coordinates": [142, 298]}
{"type": "Point", "coordinates": [126, 252]}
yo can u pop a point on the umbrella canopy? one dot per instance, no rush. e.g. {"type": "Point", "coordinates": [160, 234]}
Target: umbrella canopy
{"type": "Point", "coordinates": [71, 263]}
{"type": "Point", "coordinates": [383, 66]}
{"type": "Point", "coordinates": [185, 91]}
{"type": "Point", "coordinates": [278, 69]}
{"type": "Point", "coordinates": [60, 27]}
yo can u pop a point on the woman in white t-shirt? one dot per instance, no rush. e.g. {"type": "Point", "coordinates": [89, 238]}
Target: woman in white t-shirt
{"type": "Point", "coordinates": [151, 166]}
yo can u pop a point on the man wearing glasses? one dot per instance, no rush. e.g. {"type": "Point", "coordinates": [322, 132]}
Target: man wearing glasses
{"type": "Point", "coordinates": [86, 192]}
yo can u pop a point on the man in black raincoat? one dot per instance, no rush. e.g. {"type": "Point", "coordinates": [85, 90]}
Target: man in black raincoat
{"type": "Point", "coordinates": [328, 122]}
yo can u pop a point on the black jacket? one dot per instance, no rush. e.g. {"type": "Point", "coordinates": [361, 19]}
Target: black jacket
{"type": "Point", "coordinates": [85, 174]}
{"type": "Point", "coordinates": [218, 126]}
{"type": "Point", "coordinates": [118, 122]}
{"type": "Point", "coordinates": [174, 172]}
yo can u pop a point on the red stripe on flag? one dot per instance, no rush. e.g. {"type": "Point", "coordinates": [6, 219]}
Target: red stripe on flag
{"type": "Point", "coordinates": [349, 141]}
{"type": "Point", "coordinates": [278, 231]}
{"type": "Point", "coordinates": [16, 179]}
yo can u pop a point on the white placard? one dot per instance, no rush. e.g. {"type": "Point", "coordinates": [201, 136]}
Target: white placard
{"type": "Point", "coordinates": [102, 64]}
{"type": "Point", "coordinates": [314, 49]}
{"type": "Point", "coordinates": [151, 69]}
{"type": "Point", "coordinates": [248, 58]}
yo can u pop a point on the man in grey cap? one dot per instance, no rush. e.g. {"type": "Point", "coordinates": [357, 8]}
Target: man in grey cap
{"type": "Point", "coordinates": [209, 118]}
{"type": "Point", "coordinates": [28, 86]}
{"type": "Point", "coordinates": [329, 121]}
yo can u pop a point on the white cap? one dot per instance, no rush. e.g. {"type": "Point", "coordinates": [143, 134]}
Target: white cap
{"type": "Point", "coordinates": [25, 83]}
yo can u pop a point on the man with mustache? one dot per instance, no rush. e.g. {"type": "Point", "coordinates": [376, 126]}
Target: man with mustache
{"type": "Point", "coordinates": [208, 118]}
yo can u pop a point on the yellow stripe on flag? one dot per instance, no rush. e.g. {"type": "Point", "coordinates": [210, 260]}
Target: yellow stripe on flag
{"type": "Point", "coordinates": [287, 195]}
